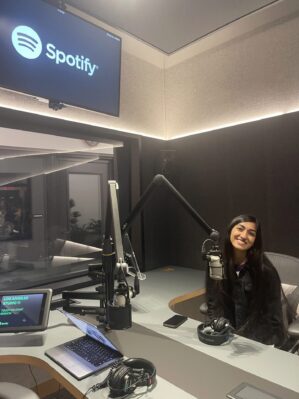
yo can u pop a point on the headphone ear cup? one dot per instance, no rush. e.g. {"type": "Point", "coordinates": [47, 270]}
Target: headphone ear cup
{"type": "Point", "coordinates": [219, 324]}
{"type": "Point", "coordinates": [117, 382]}
{"type": "Point", "coordinates": [130, 374]}
{"type": "Point", "coordinates": [145, 368]}
{"type": "Point", "coordinates": [119, 373]}
{"type": "Point", "coordinates": [215, 333]}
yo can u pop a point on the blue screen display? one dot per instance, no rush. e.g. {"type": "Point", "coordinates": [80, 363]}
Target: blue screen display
{"type": "Point", "coordinates": [90, 330]}
{"type": "Point", "coordinates": [53, 54]}
{"type": "Point", "coordinates": [21, 310]}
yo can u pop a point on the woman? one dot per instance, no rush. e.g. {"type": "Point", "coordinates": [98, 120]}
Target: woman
{"type": "Point", "coordinates": [250, 295]}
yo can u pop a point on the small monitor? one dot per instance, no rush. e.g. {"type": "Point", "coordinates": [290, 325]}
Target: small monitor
{"type": "Point", "coordinates": [24, 310]}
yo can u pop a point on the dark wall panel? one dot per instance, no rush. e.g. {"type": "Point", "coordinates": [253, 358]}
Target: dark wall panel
{"type": "Point", "coordinates": [251, 168]}
{"type": "Point", "coordinates": [158, 210]}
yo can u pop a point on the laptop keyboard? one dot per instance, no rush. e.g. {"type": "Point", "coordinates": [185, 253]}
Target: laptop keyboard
{"type": "Point", "coordinates": [92, 351]}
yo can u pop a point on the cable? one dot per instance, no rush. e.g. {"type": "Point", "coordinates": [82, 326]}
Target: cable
{"type": "Point", "coordinates": [58, 391]}
{"type": "Point", "coordinates": [60, 325]}
{"type": "Point", "coordinates": [35, 381]}
{"type": "Point", "coordinates": [95, 388]}
{"type": "Point", "coordinates": [103, 384]}
{"type": "Point", "coordinates": [203, 247]}
{"type": "Point", "coordinates": [84, 396]}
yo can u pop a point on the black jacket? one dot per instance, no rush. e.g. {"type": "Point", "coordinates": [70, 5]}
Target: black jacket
{"type": "Point", "coordinates": [255, 312]}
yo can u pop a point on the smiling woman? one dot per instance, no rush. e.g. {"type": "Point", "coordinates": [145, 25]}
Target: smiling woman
{"type": "Point", "coordinates": [250, 295]}
{"type": "Point", "coordinates": [242, 237]}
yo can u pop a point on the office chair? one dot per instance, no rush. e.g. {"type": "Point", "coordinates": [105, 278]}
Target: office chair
{"type": "Point", "coordinates": [9, 390]}
{"type": "Point", "coordinates": [288, 270]}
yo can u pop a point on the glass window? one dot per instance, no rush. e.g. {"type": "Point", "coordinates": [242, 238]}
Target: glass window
{"type": "Point", "coordinates": [85, 210]}
{"type": "Point", "coordinates": [52, 209]}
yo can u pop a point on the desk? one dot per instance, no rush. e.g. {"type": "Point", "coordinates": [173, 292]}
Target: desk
{"type": "Point", "coordinates": [186, 367]}
{"type": "Point", "coordinates": [60, 331]}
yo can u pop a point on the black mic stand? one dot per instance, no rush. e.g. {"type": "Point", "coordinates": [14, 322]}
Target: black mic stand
{"type": "Point", "coordinates": [118, 311]}
{"type": "Point", "coordinates": [101, 274]}
{"type": "Point", "coordinates": [114, 293]}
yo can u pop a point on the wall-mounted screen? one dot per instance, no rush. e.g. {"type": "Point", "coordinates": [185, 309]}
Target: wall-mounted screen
{"type": "Point", "coordinates": [53, 54]}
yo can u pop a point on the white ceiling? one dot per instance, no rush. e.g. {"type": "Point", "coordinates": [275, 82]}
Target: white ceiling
{"type": "Point", "coordinates": [169, 25]}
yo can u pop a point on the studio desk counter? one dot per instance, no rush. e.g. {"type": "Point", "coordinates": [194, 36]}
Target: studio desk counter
{"type": "Point", "coordinates": [186, 367]}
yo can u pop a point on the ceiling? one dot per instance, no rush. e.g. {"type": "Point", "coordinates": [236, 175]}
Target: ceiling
{"type": "Point", "coordinates": [169, 25]}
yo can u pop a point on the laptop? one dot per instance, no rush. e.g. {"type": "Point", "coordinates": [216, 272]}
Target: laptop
{"type": "Point", "coordinates": [86, 355]}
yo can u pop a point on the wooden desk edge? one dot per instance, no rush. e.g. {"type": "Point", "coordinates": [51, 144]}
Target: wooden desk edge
{"type": "Point", "coordinates": [35, 361]}
{"type": "Point", "coordinates": [185, 297]}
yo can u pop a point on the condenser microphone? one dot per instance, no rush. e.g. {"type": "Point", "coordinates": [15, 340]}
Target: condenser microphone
{"type": "Point", "coordinates": [213, 256]}
{"type": "Point", "coordinates": [215, 264]}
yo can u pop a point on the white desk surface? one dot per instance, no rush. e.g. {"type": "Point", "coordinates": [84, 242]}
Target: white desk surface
{"type": "Point", "coordinates": [263, 361]}
{"type": "Point", "coordinates": [186, 367]}
{"type": "Point", "coordinates": [60, 331]}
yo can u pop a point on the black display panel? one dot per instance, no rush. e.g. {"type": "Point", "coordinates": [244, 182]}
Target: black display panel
{"type": "Point", "coordinates": [24, 310]}
{"type": "Point", "coordinates": [53, 54]}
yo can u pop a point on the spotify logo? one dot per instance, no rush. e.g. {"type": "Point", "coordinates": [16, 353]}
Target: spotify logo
{"type": "Point", "coordinates": [26, 42]}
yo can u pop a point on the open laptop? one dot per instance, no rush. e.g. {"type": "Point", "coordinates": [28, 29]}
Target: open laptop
{"type": "Point", "coordinates": [86, 355]}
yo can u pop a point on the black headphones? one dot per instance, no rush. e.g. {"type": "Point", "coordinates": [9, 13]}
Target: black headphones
{"type": "Point", "coordinates": [129, 374]}
{"type": "Point", "coordinates": [215, 332]}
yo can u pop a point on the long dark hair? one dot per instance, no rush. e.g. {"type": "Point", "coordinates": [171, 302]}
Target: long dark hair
{"type": "Point", "coordinates": [254, 258]}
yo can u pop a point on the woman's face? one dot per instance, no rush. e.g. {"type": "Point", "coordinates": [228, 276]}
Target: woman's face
{"type": "Point", "coordinates": [243, 235]}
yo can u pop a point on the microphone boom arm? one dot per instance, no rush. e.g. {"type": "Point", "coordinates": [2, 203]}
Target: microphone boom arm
{"type": "Point", "coordinates": [160, 180]}
{"type": "Point", "coordinates": [212, 255]}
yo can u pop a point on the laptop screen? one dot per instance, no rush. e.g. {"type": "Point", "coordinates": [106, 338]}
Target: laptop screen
{"type": "Point", "coordinates": [90, 330]}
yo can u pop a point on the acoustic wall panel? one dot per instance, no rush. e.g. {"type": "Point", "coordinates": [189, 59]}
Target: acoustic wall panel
{"type": "Point", "coordinates": [243, 76]}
